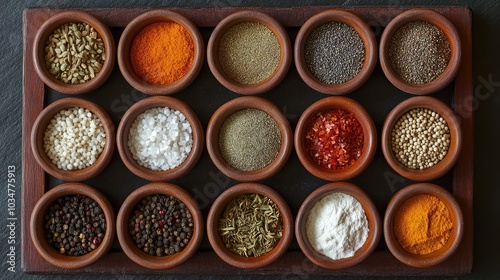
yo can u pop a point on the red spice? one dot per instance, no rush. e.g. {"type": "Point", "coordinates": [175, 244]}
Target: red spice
{"type": "Point", "coordinates": [334, 139]}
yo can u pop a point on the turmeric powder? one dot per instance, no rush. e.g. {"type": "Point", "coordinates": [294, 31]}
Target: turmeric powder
{"type": "Point", "coordinates": [422, 224]}
{"type": "Point", "coordinates": [162, 53]}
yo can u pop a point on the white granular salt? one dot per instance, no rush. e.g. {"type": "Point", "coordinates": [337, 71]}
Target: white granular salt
{"type": "Point", "coordinates": [74, 139]}
{"type": "Point", "coordinates": [337, 226]}
{"type": "Point", "coordinates": [160, 139]}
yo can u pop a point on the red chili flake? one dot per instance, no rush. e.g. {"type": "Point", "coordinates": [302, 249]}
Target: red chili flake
{"type": "Point", "coordinates": [334, 139]}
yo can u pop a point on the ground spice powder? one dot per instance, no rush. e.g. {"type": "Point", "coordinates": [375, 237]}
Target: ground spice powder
{"type": "Point", "coordinates": [422, 224]}
{"type": "Point", "coordinates": [162, 53]}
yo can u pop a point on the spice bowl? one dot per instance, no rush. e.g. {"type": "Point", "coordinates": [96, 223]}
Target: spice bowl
{"type": "Point", "coordinates": [39, 232]}
{"type": "Point", "coordinates": [226, 199]}
{"type": "Point", "coordinates": [127, 122]}
{"type": "Point", "coordinates": [179, 74]}
{"type": "Point", "coordinates": [41, 125]}
{"type": "Point", "coordinates": [346, 80]}
{"type": "Point", "coordinates": [455, 136]}
{"type": "Point", "coordinates": [233, 44]}
{"type": "Point", "coordinates": [75, 56]}
{"type": "Point", "coordinates": [455, 216]}
{"type": "Point", "coordinates": [232, 107]}
{"type": "Point", "coordinates": [367, 149]}
{"type": "Point", "coordinates": [423, 87]}
{"type": "Point", "coordinates": [374, 225]}
{"type": "Point", "coordinates": [195, 220]}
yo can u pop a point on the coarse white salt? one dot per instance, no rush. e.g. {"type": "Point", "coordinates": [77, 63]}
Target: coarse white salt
{"type": "Point", "coordinates": [160, 139]}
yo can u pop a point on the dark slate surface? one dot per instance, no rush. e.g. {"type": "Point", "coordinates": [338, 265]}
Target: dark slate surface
{"type": "Point", "coordinates": [487, 101]}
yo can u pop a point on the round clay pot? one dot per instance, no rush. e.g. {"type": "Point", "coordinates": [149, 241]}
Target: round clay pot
{"type": "Point", "coordinates": [46, 30]}
{"type": "Point", "coordinates": [369, 139]}
{"type": "Point", "coordinates": [37, 226]}
{"type": "Point", "coordinates": [124, 130]}
{"type": "Point", "coordinates": [451, 157]}
{"type": "Point", "coordinates": [449, 31]}
{"type": "Point", "coordinates": [218, 244]}
{"type": "Point", "coordinates": [435, 257]}
{"type": "Point", "coordinates": [374, 224]}
{"type": "Point", "coordinates": [125, 45]}
{"type": "Point", "coordinates": [41, 124]}
{"type": "Point", "coordinates": [128, 245]}
{"type": "Point", "coordinates": [213, 52]}
{"type": "Point", "coordinates": [363, 30]}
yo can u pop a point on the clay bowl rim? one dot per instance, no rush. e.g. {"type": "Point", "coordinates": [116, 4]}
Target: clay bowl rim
{"type": "Point", "coordinates": [127, 244]}
{"type": "Point", "coordinates": [447, 163]}
{"type": "Point", "coordinates": [372, 215]}
{"type": "Point", "coordinates": [42, 36]}
{"type": "Point", "coordinates": [369, 143]}
{"type": "Point", "coordinates": [364, 32]}
{"type": "Point", "coordinates": [213, 52]}
{"type": "Point", "coordinates": [218, 245]}
{"type": "Point", "coordinates": [438, 256]}
{"type": "Point", "coordinates": [139, 108]}
{"type": "Point", "coordinates": [233, 106]}
{"type": "Point", "coordinates": [37, 231]}
{"type": "Point", "coordinates": [40, 126]}
{"type": "Point", "coordinates": [128, 36]}
{"type": "Point", "coordinates": [449, 30]}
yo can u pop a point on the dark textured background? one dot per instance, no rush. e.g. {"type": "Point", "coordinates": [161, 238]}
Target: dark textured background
{"type": "Point", "coordinates": [486, 152]}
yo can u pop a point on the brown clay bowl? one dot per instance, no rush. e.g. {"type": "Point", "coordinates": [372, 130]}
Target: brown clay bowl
{"type": "Point", "coordinates": [372, 215]}
{"type": "Point", "coordinates": [451, 157]}
{"type": "Point", "coordinates": [363, 30]}
{"type": "Point", "coordinates": [128, 245]}
{"type": "Point", "coordinates": [369, 132]}
{"type": "Point", "coordinates": [231, 107]}
{"type": "Point", "coordinates": [37, 226]}
{"type": "Point", "coordinates": [55, 22]}
{"type": "Point", "coordinates": [38, 132]}
{"type": "Point", "coordinates": [125, 44]}
{"type": "Point", "coordinates": [218, 244]}
{"type": "Point", "coordinates": [435, 257]}
{"type": "Point", "coordinates": [449, 31]}
{"type": "Point", "coordinates": [129, 118]}
{"type": "Point", "coordinates": [213, 52]}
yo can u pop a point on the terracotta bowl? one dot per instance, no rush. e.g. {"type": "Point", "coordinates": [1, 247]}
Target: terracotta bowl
{"type": "Point", "coordinates": [363, 30]}
{"type": "Point", "coordinates": [375, 225]}
{"type": "Point", "coordinates": [55, 22]}
{"type": "Point", "coordinates": [449, 31]}
{"type": "Point", "coordinates": [37, 226]}
{"type": "Point", "coordinates": [218, 244]}
{"type": "Point", "coordinates": [129, 118]}
{"type": "Point", "coordinates": [213, 52]}
{"type": "Point", "coordinates": [231, 107]}
{"type": "Point", "coordinates": [369, 132]}
{"type": "Point", "coordinates": [128, 245]}
{"type": "Point", "coordinates": [38, 132]}
{"type": "Point", "coordinates": [438, 256]}
{"type": "Point", "coordinates": [125, 44]}
{"type": "Point", "coordinates": [451, 157]}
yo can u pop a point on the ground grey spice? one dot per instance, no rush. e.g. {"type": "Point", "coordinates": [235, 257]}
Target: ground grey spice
{"type": "Point", "coordinates": [334, 53]}
{"type": "Point", "coordinates": [74, 53]}
{"type": "Point", "coordinates": [419, 52]}
{"type": "Point", "coordinates": [249, 52]}
{"type": "Point", "coordinates": [249, 139]}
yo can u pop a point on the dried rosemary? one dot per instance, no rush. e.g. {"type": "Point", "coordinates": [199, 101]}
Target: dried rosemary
{"type": "Point", "coordinates": [251, 225]}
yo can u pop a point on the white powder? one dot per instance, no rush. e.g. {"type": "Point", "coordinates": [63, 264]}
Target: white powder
{"type": "Point", "coordinates": [160, 138]}
{"type": "Point", "coordinates": [337, 226]}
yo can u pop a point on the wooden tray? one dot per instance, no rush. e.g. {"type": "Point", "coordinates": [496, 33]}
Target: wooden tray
{"type": "Point", "coordinates": [460, 181]}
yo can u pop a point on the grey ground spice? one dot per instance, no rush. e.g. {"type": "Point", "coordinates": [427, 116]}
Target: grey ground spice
{"type": "Point", "coordinates": [249, 52]}
{"type": "Point", "coordinates": [419, 52]}
{"type": "Point", "coordinates": [249, 139]}
{"type": "Point", "coordinates": [334, 53]}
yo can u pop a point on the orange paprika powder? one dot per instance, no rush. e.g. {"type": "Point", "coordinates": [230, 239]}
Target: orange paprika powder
{"type": "Point", "coordinates": [162, 53]}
